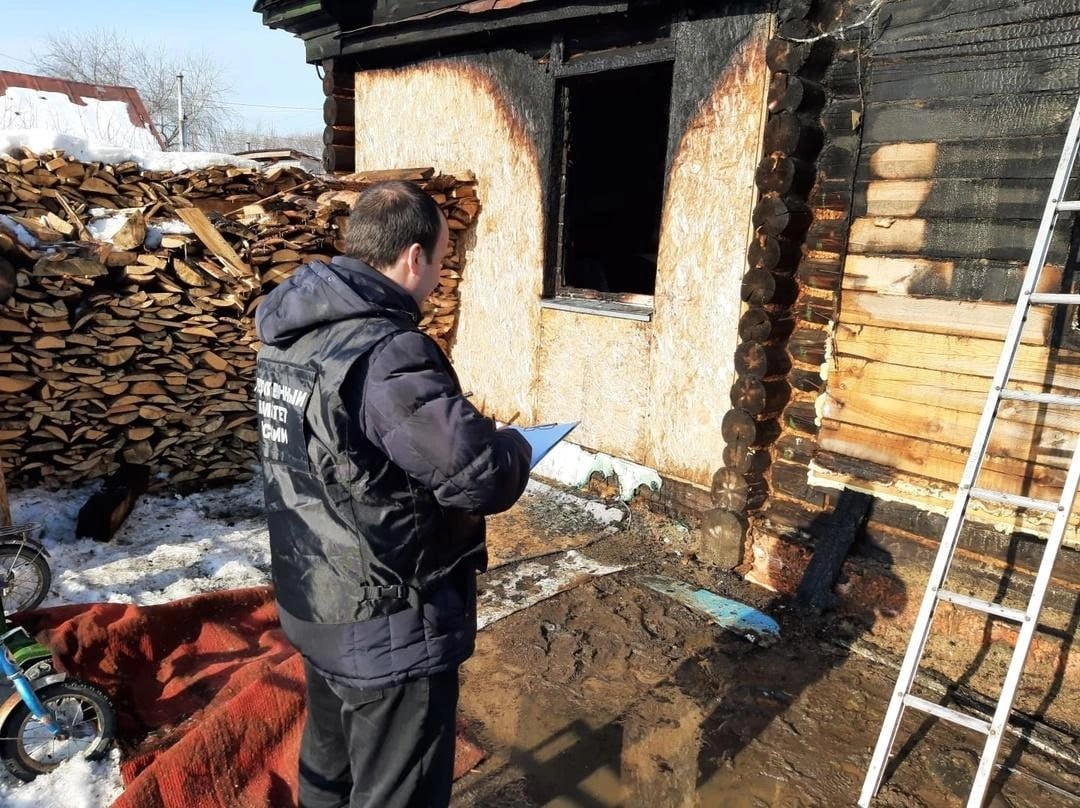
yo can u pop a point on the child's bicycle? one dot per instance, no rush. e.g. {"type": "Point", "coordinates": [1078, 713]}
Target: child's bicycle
{"type": "Point", "coordinates": [50, 717]}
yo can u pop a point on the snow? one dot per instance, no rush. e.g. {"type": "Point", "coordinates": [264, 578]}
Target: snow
{"type": "Point", "coordinates": [572, 465]}
{"type": "Point", "coordinates": [105, 122]}
{"type": "Point", "coordinates": [40, 141]}
{"type": "Point", "coordinates": [174, 547]}
{"type": "Point", "coordinates": [21, 233]}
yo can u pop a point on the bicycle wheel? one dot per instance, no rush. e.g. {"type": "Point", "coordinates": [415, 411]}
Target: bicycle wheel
{"type": "Point", "coordinates": [85, 713]}
{"type": "Point", "coordinates": [25, 577]}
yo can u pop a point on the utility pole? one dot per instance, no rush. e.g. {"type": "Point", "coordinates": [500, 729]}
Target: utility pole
{"type": "Point", "coordinates": [180, 108]}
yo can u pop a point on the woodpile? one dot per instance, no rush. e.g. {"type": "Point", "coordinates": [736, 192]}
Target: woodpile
{"type": "Point", "coordinates": [140, 349]}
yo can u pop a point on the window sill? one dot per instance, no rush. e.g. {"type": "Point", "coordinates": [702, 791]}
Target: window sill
{"type": "Point", "coordinates": [602, 308]}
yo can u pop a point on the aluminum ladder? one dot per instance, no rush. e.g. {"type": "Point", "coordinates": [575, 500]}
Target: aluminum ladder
{"type": "Point", "coordinates": [1027, 619]}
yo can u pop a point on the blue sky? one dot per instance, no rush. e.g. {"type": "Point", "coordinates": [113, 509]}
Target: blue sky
{"type": "Point", "coordinates": [263, 67]}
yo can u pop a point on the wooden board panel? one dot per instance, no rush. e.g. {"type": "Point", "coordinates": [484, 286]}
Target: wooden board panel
{"type": "Point", "coordinates": [953, 354]}
{"type": "Point", "coordinates": [1035, 435]}
{"type": "Point", "coordinates": [1004, 115]}
{"type": "Point", "coordinates": [973, 280]}
{"type": "Point", "coordinates": [993, 239]}
{"type": "Point", "coordinates": [932, 496]}
{"type": "Point", "coordinates": [1021, 157]}
{"type": "Point", "coordinates": [938, 461]}
{"type": "Point", "coordinates": [965, 392]}
{"type": "Point", "coordinates": [952, 198]}
{"type": "Point", "coordinates": [942, 316]}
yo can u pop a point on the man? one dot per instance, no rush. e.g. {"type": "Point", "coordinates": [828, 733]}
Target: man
{"type": "Point", "coordinates": [378, 474]}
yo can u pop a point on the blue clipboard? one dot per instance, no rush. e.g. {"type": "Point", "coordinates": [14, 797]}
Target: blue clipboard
{"type": "Point", "coordinates": [543, 438]}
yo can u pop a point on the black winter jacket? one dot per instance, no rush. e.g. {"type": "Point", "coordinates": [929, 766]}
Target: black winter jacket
{"type": "Point", "coordinates": [378, 473]}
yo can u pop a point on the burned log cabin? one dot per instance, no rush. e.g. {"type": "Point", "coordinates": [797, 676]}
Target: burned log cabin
{"type": "Point", "coordinates": [765, 252]}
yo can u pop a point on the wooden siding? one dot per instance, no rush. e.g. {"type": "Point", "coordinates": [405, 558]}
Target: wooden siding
{"type": "Point", "coordinates": [965, 113]}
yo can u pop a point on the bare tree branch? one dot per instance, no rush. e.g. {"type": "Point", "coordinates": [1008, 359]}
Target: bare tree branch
{"type": "Point", "coordinates": [108, 57]}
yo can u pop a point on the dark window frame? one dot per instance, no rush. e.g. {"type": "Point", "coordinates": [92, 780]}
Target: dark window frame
{"type": "Point", "coordinates": [563, 69]}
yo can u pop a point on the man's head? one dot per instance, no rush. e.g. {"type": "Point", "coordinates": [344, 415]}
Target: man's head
{"type": "Point", "coordinates": [398, 229]}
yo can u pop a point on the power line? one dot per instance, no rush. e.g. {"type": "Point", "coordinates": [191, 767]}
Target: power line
{"type": "Point", "coordinates": [17, 59]}
{"type": "Point", "coordinates": [266, 106]}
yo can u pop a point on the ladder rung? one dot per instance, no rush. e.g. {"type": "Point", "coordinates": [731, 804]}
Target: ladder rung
{"type": "Point", "coordinates": [1041, 398]}
{"type": "Point", "coordinates": [1053, 298]}
{"type": "Point", "coordinates": [987, 606]}
{"type": "Point", "coordinates": [1068, 205]}
{"type": "Point", "coordinates": [953, 716]}
{"type": "Point", "coordinates": [1015, 500]}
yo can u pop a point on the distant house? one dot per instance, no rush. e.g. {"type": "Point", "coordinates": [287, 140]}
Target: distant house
{"type": "Point", "coordinates": [284, 157]}
{"type": "Point", "coordinates": [99, 113]}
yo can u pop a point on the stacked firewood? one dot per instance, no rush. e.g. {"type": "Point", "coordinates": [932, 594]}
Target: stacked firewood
{"type": "Point", "coordinates": [127, 334]}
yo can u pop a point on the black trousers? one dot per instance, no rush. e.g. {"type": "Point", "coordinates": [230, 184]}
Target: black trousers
{"type": "Point", "coordinates": [390, 748]}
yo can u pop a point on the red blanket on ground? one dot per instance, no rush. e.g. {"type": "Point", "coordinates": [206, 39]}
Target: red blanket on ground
{"type": "Point", "coordinates": [209, 696]}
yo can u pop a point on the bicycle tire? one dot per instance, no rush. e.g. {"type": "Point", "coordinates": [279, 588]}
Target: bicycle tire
{"type": "Point", "coordinates": [27, 747]}
{"type": "Point", "coordinates": [25, 577]}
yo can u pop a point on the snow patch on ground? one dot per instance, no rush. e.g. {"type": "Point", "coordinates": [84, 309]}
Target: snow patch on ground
{"type": "Point", "coordinates": [173, 547]}
{"type": "Point", "coordinates": [76, 784]}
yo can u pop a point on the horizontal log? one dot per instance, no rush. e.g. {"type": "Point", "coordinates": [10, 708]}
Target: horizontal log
{"type": "Point", "coordinates": [801, 416]}
{"type": "Point", "coordinates": [808, 345]}
{"type": "Point", "coordinates": [732, 491]}
{"type": "Point", "coordinates": [794, 135]}
{"type": "Point", "coordinates": [1007, 115]}
{"type": "Point", "coordinates": [953, 354]}
{"type": "Point", "coordinates": [761, 360]}
{"type": "Point", "coordinates": [792, 518]}
{"type": "Point", "coordinates": [772, 252]}
{"type": "Point", "coordinates": [920, 491]}
{"type": "Point", "coordinates": [336, 80]}
{"type": "Point", "coordinates": [814, 309]}
{"type": "Point", "coordinates": [775, 215]}
{"type": "Point", "coordinates": [820, 273]}
{"type": "Point", "coordinates": [806, 381]}
{"type": "Point", "coordinates": [758, 397]}
{"type": "Point", "coordinates": [794, 448]}
{"type": "Point", "coordinates": [339, 111]}
{"type": "Point", "coordinates": [966, 318]}
{"type": "Point", "coordinates": [339, 136]}
{"type": "Point", "coordinates": [743, 431]}
{"type": "Point", "coordinates": [339, 158]}
{"type": "Point", "coordinates": [790, 480]}
{"type": "Point", "coordinates": [789, 93]}
{"type": "Point", "coordinates": [952, 198]}
{"type": "Point", "coordinates": [761, 325]}
{"type": "Point", "coordinates": [779, 173]}
{"type": "Point", "coordinates": [1026, 157]}
{"type": "Point", "coordinates": [723, 538]}
{"type": "Point", "coordinates": [746, 461]}
{"type": "Point", "coordinates": [966, 279]}
{"type": "Point", "coordinates": [1036, 435]}
{"type": "Point", "coordinates": [761, 287]}
{"type": "Point", "coordinates": [939, 461]}
{"type": "Point", "coordinates": [784, 55]}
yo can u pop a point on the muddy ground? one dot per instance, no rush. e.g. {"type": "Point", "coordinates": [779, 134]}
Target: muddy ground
{"type": "Point", "coordinates": [612, 694]}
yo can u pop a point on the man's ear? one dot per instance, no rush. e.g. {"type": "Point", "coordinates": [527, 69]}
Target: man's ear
{"type": "Point", "coordinates": [415, 254]}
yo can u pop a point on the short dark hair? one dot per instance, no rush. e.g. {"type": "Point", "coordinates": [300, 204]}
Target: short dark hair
{"type": "Point", "coordinates": [389, 217]}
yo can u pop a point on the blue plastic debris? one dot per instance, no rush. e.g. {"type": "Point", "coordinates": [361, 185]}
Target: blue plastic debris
{"type": "Point", "coordinates": [732, 615]}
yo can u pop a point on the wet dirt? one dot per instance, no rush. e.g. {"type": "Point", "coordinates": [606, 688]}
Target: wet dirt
{"type": "Point", "coordinates": [611, 694]}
